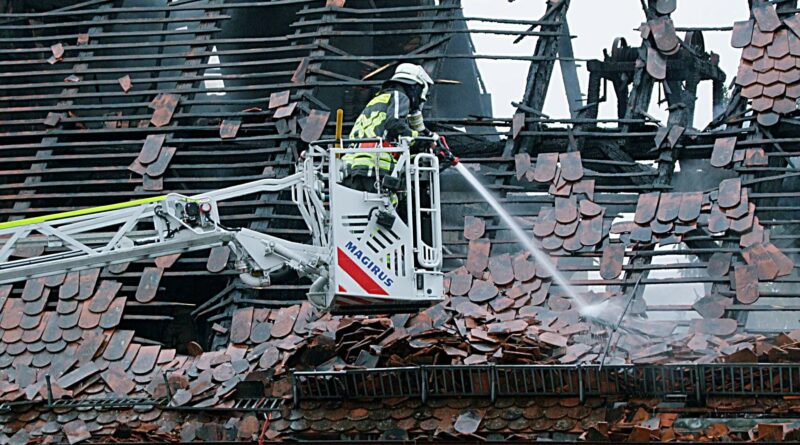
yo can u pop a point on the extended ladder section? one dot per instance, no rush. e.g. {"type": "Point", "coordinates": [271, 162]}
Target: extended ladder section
{"type": "Point", "coordinates": [364, 255]}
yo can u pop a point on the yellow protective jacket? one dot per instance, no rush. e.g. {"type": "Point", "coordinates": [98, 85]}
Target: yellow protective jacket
{"type": "Point", "coordinates": [385, 116]}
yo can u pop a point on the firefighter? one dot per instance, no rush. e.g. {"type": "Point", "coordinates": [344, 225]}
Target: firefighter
{"type": "Point", "coordinates": [395, 112]}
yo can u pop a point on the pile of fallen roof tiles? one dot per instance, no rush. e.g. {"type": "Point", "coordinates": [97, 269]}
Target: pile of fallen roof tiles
{"type": "Point", "coordinates": [501, 319]}
{"type": "Point", "coordinates": [499, 309]}
{"type": "Point", "coordinates": [594, 419]}
{"type": "Point", "coordinates": [769, 72]}
{"type": "Point", "coordinates": [403, 419]}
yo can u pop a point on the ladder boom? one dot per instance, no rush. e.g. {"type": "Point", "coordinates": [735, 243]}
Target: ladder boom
{"type": "Point", "coordinates": [364, 255]}
{"type": "Point", "coordinates": [174, 224]}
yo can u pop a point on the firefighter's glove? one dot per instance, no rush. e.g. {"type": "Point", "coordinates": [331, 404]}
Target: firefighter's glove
{"type": "Point", "coordinates": [429, 134]}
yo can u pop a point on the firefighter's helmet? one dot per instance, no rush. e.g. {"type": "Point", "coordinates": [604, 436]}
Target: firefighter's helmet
{"type": "Point", "coordinates": [411, 74]}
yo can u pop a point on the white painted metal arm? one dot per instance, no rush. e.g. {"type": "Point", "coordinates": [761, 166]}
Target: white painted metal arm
{"type": "Point", "coordinates": [260, 186]}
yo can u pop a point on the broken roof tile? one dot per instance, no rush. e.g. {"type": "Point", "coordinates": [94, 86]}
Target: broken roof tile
{"type": "Point", "coordinates": [755, 157]}
{"type": "Point", "coordinates": [279, 99]}
{"type": "Point", "coordinates": [585, 187]}
{"type": "Point", "coordinates": [719, 264]}
{"type": "Point", "coordinates": [482, 291]}
{"type": "Point", "coordinates": [166, 261]}
{"type": "Point", "coordinates": [718, 222]}
{"type": "Point", "coordinates": [744, 223]}
{"type": "Point", "coordinates": [474, 227]}
{"type": "Point", "coordinates": [478, 257]}
{"type": "Point", "coordinates": [784, 263]}
{"type": "Point", "coordinates": [285, 320]}
{"type": "Point", "coordinates": [76, 431]}
{"type": "Point", "coordinates": [501, 269]}
{"type": "Point", "coordinates": [125, 83]}
{"type": "Point", "coordinates": [314, 125]}
{"type": "Point", "coordinates": [285, 111]}
{"type": "Point", "coordinates": [721, 327]}
{"type": "Point", "coordinates": [164, 106]}
{"type": "Point", "coordinates": [152, 184]}
{"type": "Point", "coordinates": [229, 128]}
{"type": "Point", "coordinates": [746, 281]}
{"type": "Point", "coordinates": [159, 166]}
{"type": "Point", "coordinates": [78, 375]}
{"type": "Point", "coordinates": [118, 381]}
{"type": "Point", "coordinates": [757, 255]}
{"type": "Point", "coordinates": [588, 208]}
{"type": "Point", "coordinates": [524, 269]}
{"type": "Point", "coordinates": [522, 164]}
{"type": "Point", "coordinates": [553, 339]}
{"type": "Point", "coordinates": [711, 306]}
{"type": "Point", "coordinates": [468, 421]}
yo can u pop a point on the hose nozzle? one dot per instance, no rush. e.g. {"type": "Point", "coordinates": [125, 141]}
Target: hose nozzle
{"type": "Point", "coordinates": [445, 155]}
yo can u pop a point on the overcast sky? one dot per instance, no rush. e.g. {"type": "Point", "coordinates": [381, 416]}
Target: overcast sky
{"type": "Point", "coordinates": [596, 23]}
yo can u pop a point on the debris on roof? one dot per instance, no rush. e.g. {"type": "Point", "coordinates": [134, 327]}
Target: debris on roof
{"type": "Point", "coordinates": [684, 238]}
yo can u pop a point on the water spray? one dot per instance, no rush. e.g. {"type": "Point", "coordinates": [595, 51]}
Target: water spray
{"type": "Point", "coordinates": [542, 259]}
{"type": "Point", "coordinates": [616, 327]}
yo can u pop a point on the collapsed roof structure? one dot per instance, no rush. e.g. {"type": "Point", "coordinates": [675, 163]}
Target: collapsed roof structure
{"type": "Point", "coordinates": [690, 232]}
